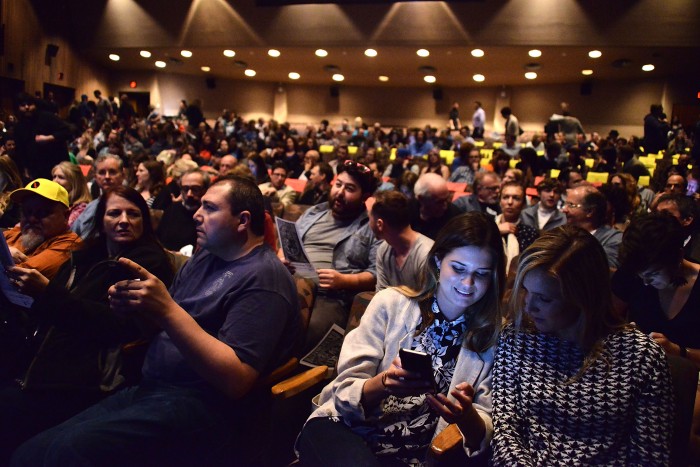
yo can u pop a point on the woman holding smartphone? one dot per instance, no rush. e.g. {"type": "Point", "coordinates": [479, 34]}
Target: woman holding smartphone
{"type": "Point", "coordinates": [377, 411]}
{"type": "Point", "coordinates": [573, 384]}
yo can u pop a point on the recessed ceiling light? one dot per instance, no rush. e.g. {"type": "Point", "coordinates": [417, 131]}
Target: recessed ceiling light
{"type": "Point", "coordinates": [422, 53]}
{"type": "Point", "coordinates": [249, 72]}
{"type": "Point", "coordinates": [477, 53]}
{"type": "Point", "coordinates": [429, 79]}
{"type": "Point", "coordinates": [274, 53]}
{"type": "Point", "coordinates": [145, 54]}
{"type": "Point", "coordinates": [383, 78]}
{"type": "Point", "coordinates": [371, 53]}
{"type": "Point", "coordinates": [338, 77]}
{"type": "Point", "coordinates": [186, 53]}
{"type": "Point", "coordinates": [229, 53]}
{"type": "Point", "coordinates": [534, 53]}
{"type": "Point", "coordinates": [587, 72]}
{"type": "Point", "coordinates": [206, 69]}
{"type": "Point", "coordinates": [478, 78]}
{"type": "Point", "coordinates": [530, 75]}
{"type": "Point", "coordinates": [114, 57]}
{"type": "Point", "coordinates": [595, 54]}
{"type": "Point", "coordinates": [321, 53]}
{"type": "Point", "coordinates": [294, 75]}
{"type": "Point", "coordinates": [160, 64]}
{"type": "Point", "coordinates": [648, 67]}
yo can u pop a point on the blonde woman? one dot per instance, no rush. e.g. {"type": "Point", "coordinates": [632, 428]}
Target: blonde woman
{"type": "Point", "coordinates": [572, 383]}
{"type": "Point", "coordinates": [71, 177]}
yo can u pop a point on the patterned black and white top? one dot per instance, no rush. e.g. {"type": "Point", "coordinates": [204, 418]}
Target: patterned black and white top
{"type": "Point", "coordinates": [409, 424]}
{"type": "Point", "coordinates": [618, 412]}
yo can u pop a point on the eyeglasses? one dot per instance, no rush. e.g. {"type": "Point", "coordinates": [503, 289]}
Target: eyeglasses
{"type": "Point", "coordinates": [196, 190]}
{"type": "Point", "coordinates": [571, 205]}
{"type": "Point", "coordinates": [356, 165]}
{"type": "Point", "coordinates": [277, 174]}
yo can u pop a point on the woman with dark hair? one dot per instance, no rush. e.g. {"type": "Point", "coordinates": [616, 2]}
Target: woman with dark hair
{"type": "Point", "coordinates": [435, 165]}
{"type": "Point", "coordinates": [500, 162]}
{"type": "Point", "coordinates": [377, 412]}
{"type": "Point", "coordinates": [257, 166]}
{"type": "Point", "coordinates": [572, 383]}
{"type": "Point", "coordinates": [76, 354]}
{"type": "Point", "coordinates": [150, 182]}
{"type": "Point", "coordinates": [659, 290]}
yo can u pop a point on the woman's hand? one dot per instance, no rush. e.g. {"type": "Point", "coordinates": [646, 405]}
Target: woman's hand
{"type": "Point", "coordinates": [671, 348]}
{"type": "Point", "coordinates": [28, 281]}
{"type": "Point", "coordinates": [461, 412]}
{"type": "Point", "coordinates": [507, 228]}
{"type": "Point", "coordinates": [394, 382]}
{"type": "Point", "coordinates": [453, 411]}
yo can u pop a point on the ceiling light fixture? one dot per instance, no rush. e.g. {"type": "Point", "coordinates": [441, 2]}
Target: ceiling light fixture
{"type": "Point", "coordinates": [321, 53]}
{"type": "Point", "coordinates": [338, 77]}
{"type": "Point", "coordinates": [145, 54]}
{"type": "Point", "coordinates": [530, 75]}
{"type": "Point", "coordinates": [595, 54]}
{"type": "Point", "coordinates": [586, 72]}
{"type": "Point", "coordinates": [478, 53]}
{"type": "Point", "coordinates": [186, 53]}
{"type": "Point", "coordinates": [160, 64]}
{"type": "Point", "coordinates": [371, 53]}
{"type": "Point", "coordinates": [250, 72]}
{"type": "Point", "coordinates": [274, 53]}
{"type": "Point", "coordinates": [206, 69]}
{"type": "Point", "coordinates": [478, 78]}
{"type": "Point", "coordinates": [383, 78]}
{"type": "Point", "coordinates": [648, 67]}
{"type": "Point", "coordinates": [114, 57]}
{"type": "Point", "coordinates": [429, 79]}
{"type": "Point", "coordinates": [294, 75]}
{"type": "Point", "coordinates": [229, 53]}
{"type": "Point", "coordinates": [534, 53]}
{"type": "Point", "coordinates": [422, 53]}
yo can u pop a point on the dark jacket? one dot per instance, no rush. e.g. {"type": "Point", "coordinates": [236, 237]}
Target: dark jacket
{"type": "Point", "coordinates": [79, 338]}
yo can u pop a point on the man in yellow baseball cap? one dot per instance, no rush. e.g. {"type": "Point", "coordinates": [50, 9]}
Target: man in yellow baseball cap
{"type": "Point", "coordinates": [42, 240]}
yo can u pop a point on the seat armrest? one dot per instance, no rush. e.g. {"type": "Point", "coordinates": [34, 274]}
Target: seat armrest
{"type": "Point", "coordinates": [447, 440]}
{"type": "Point", "coordinates": [298, 383]}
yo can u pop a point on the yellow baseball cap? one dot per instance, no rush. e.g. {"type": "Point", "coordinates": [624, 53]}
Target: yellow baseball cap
{"type": "Point", "coordinates": [44, 188]}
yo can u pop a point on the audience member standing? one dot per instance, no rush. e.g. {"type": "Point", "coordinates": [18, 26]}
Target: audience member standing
{"type": "Point", "coordinates": [41, 139]}
{"type": "Point", "coordinates": [656, 130]}
{"type": "Point", "coordinates": [478, 121]}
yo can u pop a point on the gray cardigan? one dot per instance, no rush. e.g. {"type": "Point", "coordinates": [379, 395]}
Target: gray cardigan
{"type": "Point", "coordinates": [389, 324]}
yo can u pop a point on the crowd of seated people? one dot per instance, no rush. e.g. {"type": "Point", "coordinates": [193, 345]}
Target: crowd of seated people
{"type": "Point", "coordinates": [374, 208]}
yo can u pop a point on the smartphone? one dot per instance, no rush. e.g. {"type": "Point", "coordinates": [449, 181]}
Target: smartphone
{"type": "Point", "coordinates": [419, 362]}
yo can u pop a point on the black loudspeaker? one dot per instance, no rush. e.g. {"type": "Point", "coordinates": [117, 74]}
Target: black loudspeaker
{"type": "Point", "coordinates": [51, 52]}
{"type": "Point", "coordinates": [335, 91]}
{"type": "Point", "coordinates": [437, 94]}
{"type": "Point", "coordinates": [211, 83]}
{"type": "Point", "coordinates": [587, 88]}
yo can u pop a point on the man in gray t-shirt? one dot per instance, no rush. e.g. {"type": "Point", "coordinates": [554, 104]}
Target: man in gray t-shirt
{"type": "Point", "coordinates": [402, 255]}
{"type": "Point", "coordinates": [341, 247]}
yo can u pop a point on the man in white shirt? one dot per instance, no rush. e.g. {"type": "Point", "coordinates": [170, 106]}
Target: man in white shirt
{"type": "Point", "coordinates": [478, 121]}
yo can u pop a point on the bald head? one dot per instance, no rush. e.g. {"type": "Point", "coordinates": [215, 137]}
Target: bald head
{"type": "Point", "coordinates": [227, 163]}
{"type": "Point", "coordinates": [433, 195]}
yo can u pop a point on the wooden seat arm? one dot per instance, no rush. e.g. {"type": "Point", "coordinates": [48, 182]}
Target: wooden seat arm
{"type": "Point", "coordinates": [298, 383]}
{"type": "Point", "coordinates": [446, 441]}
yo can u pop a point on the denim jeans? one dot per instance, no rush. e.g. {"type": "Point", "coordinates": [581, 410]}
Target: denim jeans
{"type": "Point", "coordinates": [152, 424]}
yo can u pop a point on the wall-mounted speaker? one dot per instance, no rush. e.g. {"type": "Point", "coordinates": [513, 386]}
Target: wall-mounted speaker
{"type": "Point", "coordinates": [211, 83]}
{"type": "Point", "coordinates": [587, 88]}
{"type": "Point", "coordinates": [335, 91]}
{"type": "Point", "coordinates": [51, 52]}
{"type": "Point", "coordinates": [437, 94]}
